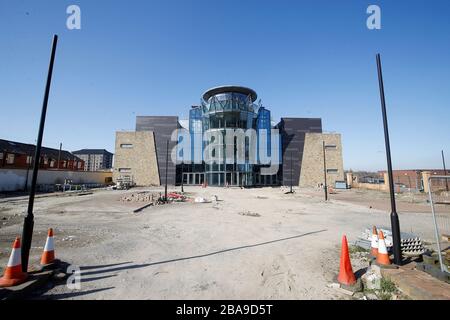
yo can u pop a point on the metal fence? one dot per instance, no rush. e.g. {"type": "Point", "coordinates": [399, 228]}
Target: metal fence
{"type": "Point", "coordinates": [440, 208]}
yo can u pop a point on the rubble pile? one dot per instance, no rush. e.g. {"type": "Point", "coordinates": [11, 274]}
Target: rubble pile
{"type": "Point", "coordinates": [176, 196]}
{"type": "Point", "coordinates": [139, 197]}
{"type": "Point", "coordinates": [153, 198]}
{"type": "Point", "coordinates": [249, 214]}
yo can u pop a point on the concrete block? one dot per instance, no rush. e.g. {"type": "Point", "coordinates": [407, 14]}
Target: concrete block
{"type": "Point", "coordinates": [371, 281]}
{"type": "Point", "coordinates": [375, 269]}
{"type": "Point", "coordinates": [371, 296]}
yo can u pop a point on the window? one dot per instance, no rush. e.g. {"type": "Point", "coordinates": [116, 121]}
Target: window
{"type": "Point", "coordinates": [332, 170]}
{"type": "Point", "coordinates": [126, 146]}
{"type": "Point", "coordinates": [1, 155]}
{"type": "Point", "coordinates": [52, 163]}
{"type": "Point", "coordinates": [10, 158]}
{"type": "Point", "coordinates": [124, 170]}
{"type": "Point", "coordinates": [29, 159]}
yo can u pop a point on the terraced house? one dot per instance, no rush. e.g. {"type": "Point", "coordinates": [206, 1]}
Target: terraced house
{"type": "Point", "coordinates": [17, 155]}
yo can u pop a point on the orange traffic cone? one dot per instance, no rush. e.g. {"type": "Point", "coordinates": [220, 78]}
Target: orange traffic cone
{"type": "Point", "coordinates": [13, 273]}
{"type": "Point", "coordinates": [382, 256]}
{"type": "Point", "coordinates": [48, 256]}
{"type": "Point", "coordinates": [374, 244]}
{"type": "Point", "coordinates": [346, 275]}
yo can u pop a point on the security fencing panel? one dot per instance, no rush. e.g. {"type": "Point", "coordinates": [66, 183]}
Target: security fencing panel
{"type": "Point", "coordinates": [439, 198]}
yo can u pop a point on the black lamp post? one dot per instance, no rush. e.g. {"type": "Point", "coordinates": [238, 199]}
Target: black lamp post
{"type": "Point", "coordinates": [182, 176]}
{"type": "Point", "coordinates": [325, 187]}
{"type": "Point", "coordinates": [395, 224]}
{"type": "Point", "coordinates": [167, 164]}
{"type": "Point", "coordinates": [28, 170]}
{"type": "Point", "coordinates": [28, 224]}
{"type": "Point", "coordinates": [291, 173]}
{"type": "Point", "coordinates": [59, 154]}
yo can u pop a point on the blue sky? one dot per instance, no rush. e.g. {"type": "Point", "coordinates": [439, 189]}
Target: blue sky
{"type": "Point", "coordinates": [304, 58]}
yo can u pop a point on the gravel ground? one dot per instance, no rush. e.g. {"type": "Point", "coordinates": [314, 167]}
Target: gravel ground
{"type": "Point", "coordinates": [251, 244]}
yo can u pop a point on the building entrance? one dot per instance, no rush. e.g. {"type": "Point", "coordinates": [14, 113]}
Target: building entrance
{"type": "Point", "coordinates": [194, 178]}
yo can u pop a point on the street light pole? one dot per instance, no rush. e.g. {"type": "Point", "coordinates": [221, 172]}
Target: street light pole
{"type": "Point", "coordinates": [182, 178]}
{"type": "Point", "coordinates": [395, 224]}
{"type": "Point", "coordinates": [445, 170]}
{"type": "Point", "coordinates": [291, 173]}
{"type": "Point", "coordinates": [325, 188]}
{"type": "Point", "coordinates": [167, 164]}
{"type": "Point", "coordinates": [28, 170]}
{"type": "Point", "coordinates": [28, 224]}
{"type": "Point", "coordinates": [59, 154]}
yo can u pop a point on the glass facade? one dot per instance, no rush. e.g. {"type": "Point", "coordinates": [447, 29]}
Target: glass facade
{"type": "Point", "coordinates": [263, 123]}
{"type": "Point", "coordinates": [196, 133]}
{"type": "Point", "coordinates": [221, 109]}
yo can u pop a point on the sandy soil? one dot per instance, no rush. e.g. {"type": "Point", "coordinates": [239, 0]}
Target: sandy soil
{"type": "Point", "coordinates": [251, 244]}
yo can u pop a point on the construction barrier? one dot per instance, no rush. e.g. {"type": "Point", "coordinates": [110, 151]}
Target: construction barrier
{"type": "Point", "coordinates": [346, 275]}
{"type": "Point", "coordinates": [13, 273]}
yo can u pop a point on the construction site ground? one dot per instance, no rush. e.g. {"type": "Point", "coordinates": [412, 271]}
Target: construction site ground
{"type": "Point", "coordinates": [250, 244]}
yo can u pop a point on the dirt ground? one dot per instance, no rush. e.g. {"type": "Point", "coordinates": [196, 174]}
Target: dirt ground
{"type": "Point", "coordinates": [250, 244]}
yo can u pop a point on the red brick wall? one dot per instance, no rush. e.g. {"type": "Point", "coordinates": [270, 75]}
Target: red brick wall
{"type": "Point", "coordinates": [20, 162]}
{"type": "Point", "coordinates": [413, 178]}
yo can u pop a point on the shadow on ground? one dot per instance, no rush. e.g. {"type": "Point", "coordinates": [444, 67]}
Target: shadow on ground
{"type": "Point", "coordinates": [116, 267]}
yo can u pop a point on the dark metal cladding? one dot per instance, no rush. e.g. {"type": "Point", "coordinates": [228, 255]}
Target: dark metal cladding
{"type": "Point", "coordinates": [292, 131]}
{"type": "Point", "coordinates": [162, 127]}
{"type": "Point", "coordinates": [224, 89]}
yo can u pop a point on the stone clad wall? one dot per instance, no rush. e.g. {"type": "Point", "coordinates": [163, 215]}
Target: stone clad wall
{"type": "Point", "coordinates": [140, 158]}
{"type": "Point", "coordinates": [312, 163]}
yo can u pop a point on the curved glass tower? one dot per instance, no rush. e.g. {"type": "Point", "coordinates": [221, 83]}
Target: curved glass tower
{"type": "Point", "coordinates": [225, 142]}
{"type": "Point", "coordinates": [228, 107]}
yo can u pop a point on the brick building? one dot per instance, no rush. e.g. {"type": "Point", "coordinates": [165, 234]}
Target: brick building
{"type": "Point", "coordinates": [95, 159]}
{"type": "Point", "coordinates": [17, 155]}
{"type": "Point", "coordinates": [413, 178]}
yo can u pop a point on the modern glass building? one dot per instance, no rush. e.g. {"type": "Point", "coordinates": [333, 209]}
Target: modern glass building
{"type": "Point", "coordinates": [223, 109]}
{"type": "Point", "coordinates": [164, 148]}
